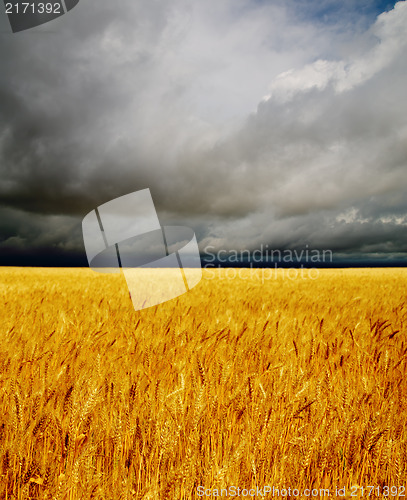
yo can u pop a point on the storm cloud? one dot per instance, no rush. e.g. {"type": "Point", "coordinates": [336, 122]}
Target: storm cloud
{"type": "Point", "coordinates": [253, 122]}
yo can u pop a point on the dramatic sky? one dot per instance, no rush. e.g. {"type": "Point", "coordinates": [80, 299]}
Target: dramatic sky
{"type": "Point", "coordinates": [254, 122]}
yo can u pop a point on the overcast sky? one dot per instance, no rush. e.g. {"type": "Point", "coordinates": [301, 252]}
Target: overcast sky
{"type": "Point", "coordinates": [254, 122]}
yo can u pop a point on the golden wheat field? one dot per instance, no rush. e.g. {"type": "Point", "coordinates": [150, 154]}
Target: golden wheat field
{"type": "Point", "coordinates": [291, 383]}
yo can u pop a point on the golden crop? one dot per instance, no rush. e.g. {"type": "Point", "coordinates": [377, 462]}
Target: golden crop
{"type": "Point", "coordinates": [247, 382]}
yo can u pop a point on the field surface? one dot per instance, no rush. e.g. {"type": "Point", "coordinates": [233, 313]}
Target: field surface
{"type": "Point", "coordinates": [247, 381]}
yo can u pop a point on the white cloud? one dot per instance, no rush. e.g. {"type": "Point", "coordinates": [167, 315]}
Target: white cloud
{"type": "Point", "coordinates": [390, 41]}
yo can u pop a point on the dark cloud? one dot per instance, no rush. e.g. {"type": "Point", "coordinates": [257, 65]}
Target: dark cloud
{"type": "Point", "coordinates": [112, 98]}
